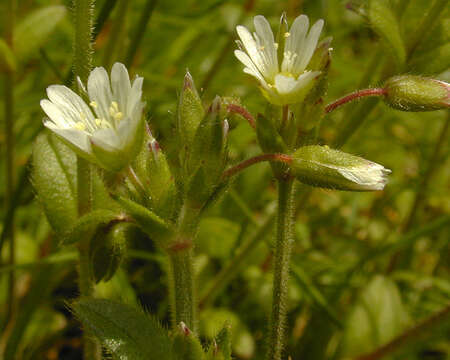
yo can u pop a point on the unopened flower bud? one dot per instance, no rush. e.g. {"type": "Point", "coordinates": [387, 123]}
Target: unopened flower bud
{"type": "Point", "coordinates": [107, 250]}
{"type": "Point", "coordinates": [190, 110]}
{"type": "Point", "coordinates": [324, 167]}
{"type": "Point", "coordinates": [416, 93]}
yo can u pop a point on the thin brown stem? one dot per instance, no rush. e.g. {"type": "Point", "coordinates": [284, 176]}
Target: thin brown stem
{"type": "Point", "coordinates": [423, 328]}
{"type": "Point", "coordinates": [236, 109]}
{"type": "Point", "coordinates": [254, 160]}
{"type": "Point", "coordinates": [353, 96]}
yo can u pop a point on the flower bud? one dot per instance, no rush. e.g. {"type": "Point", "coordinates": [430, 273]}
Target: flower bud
{"type": "Point", "coordinates": [107, 250]}
{"type": "Point", "coordinates": [190, 110]}
{"type": "Point", "coordinates": [416, 93]}
{"type": "Point", "coordinates": [324, 167]}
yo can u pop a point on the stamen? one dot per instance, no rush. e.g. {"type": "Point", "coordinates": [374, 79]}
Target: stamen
{"type": "Point", "coordinates": [118, 116]}
{"type": "Point", "coordinates": [276, 45]}
{"type": "Point", "coordinates": [287, 34]}
{"type": "Point", "coordinates": [261, 48]}
{"type": "Point", "coordinates": [93, 104]}
{"type": "Point", "coordinates": [80, 126]}
{"type": "Point", "coordinates": [98, 121]}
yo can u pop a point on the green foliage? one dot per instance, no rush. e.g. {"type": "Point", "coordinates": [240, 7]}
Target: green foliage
{"type": "Point", "coordinates": [149, 222]}
{"type": "Point", "coordinates": [7, 58]}
{"type": "Point", "coordinates": [384, 21]}
{"type": "Point", "coordinates": [34, 29]}
{"type": "Point", "coordinates": [378, 317]}
{"type": "Point", "coordinates": [125, 332]}
{"type": "Point", "coordinates": [54, 178]}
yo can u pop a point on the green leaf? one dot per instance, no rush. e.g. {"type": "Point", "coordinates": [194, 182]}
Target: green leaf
{"type": "Point", "coordinates": [384, 22]}
{"type": "Point", "coordinates": [149, 222]}
{"type": "Point", "coordinates": [126, 332]}
{"type": "Point", "coordinates": [31, 33]}
{"type": "Point", "coordinates": [7, 58]}
{"type": "Point", "coordinates": [378, 317]}
{"type": "Point", "coordinates": [54, 178]}
{"type": "Point", "coordinates": [216, 236]}
{"type": "Point", "coordinates": [87, 225]}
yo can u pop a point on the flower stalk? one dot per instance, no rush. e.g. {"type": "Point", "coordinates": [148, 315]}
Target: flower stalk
{"type": "Point", "coordinates": [83, 21]}
{"type": "Point", "coordinates": [354, 96]}
{"type": "Point", "coordinates": [283, 246]}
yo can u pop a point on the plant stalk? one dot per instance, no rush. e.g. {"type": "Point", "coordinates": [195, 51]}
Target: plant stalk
{"type": "Point", "coordinates": [284, 240]}
{"type": "Point", "coordinates": [182, 283]}
{"type": "Point", "coordinates": [83, 12]}
{"type": "Point", "coordinates": [181, 270]}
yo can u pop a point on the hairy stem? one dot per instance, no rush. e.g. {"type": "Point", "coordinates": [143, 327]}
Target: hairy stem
{"type": "Point", "coordinates": [181, 270]}
{"type": "Point", "coordinates": [254, 160]}
{"type": "Point", "coordinates": [182, 283]}
{"type": "Point", "coordinates": [83, 14]}
{"type": "Point", "coordinates": [82, 59]}
{"type": "Point", "coordinates": [285, 221]}
{"type": "Point", "coordinates": [354, 96]}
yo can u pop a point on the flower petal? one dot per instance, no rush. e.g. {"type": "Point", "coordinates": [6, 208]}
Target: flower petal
{"type": "Point", "coordinates": [310, 44]}
{"type": "Point", "coordinates": [245, 59]}
{"type": "Point", "coordinates": [99, 90]}
{"type": "Point", "coordinates": [269, 51]}
{"type": "Point", "coordinates": [120, 83]}
{"type": "Point", "coordinates": [71, 105]}
{"type": "Point", "coordinates": [293, 49]}
{"type": "Point", "coordinates": [252, 50]}
{"type": "Point", "coordinates": [79, 140]}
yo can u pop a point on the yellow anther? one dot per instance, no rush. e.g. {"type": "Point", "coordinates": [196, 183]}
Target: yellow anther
{"type": "Point", "coordinates": [261, 48]}
{"type": "Point", "coordinates": [80, 126]}
{"type": "Point", "coordinates": [287, 34]}
{"type": "Point", "coordinates": [118, 116]}
{"type": "Point", "coordinates": [98, 121]}
{"type": "Point", "coordinates": [276, 45]}
{"type": "Point", "coordinates": [115, 105]}
{"type": "Point", "coordinates": [93, 104]}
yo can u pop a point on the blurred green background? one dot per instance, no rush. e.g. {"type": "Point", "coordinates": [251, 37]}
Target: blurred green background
{"type": "Point", "coordinates": [366, 266]}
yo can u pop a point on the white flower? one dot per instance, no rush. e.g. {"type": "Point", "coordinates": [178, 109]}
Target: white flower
{"type": "Point", "coordinates": [290, 81]}
{"type": "Point", "coordinates": [109, 130]}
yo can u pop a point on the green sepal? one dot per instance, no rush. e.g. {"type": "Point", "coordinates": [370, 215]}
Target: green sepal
{"type": "Point", "coordinates": [223, 341]}
{"type": "Point", "coordinates": [34, 29]}
{"type": "Point", "coordinates": [283, 28]}
{"type": "Point", "coordinates": [416, 93]}
{"type": "Point", "coordinates": [115, 159]}
{"type": "Point", "coordinates": [208, 157]}
{"type": "Point", "coordinates": [54, 177]}
{"type": "Point", "coordinates": [186, 344]}
{"type": "Point", "coordinates": [322, 56]}
{"type": "Point", "coordinates": [107, 250]}
{"type": "Point", "coordinates": [87, 225]}
{"type": "Point", "coordinates": [190, 111]}
{"type": "Point", "coordinates": [124, 331]}
{"type": "Point", "coordinates": [155, 227]}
